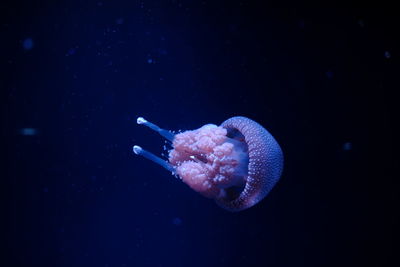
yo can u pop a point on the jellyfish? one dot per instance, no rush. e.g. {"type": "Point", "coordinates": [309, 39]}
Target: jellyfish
{"type": "Point", "coordinates": [236, 164]}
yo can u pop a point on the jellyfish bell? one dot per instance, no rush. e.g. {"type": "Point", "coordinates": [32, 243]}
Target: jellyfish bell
{"type": "Point", "coordinates": [236, 163]}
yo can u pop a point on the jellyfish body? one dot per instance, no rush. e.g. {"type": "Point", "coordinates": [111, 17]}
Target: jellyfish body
{"type": "Point", "coordinates": [236, 163]}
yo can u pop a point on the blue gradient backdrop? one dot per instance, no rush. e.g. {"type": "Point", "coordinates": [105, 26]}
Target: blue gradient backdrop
{"type": "Point", "coordinates": [76, 74]}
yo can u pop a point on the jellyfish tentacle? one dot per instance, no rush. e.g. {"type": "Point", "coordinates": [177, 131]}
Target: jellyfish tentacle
{"type": "Point", "coordinates": [164, 133]}
{"type": "Point", "coordinates": [150, 156]}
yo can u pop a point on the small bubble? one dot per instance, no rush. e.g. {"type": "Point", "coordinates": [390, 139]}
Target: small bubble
{"type": "Point", "coordinates": [28, 131]}
{"type": "Point", "coordinates": [45, 190]}
{"type": "Point", "coordinates": [119, 21]}
{"type": "Point", "coordinates": [177, 221]}
{"type": "Point", "coordinates": [329, 74]}
{"type": "Point", "coordinates": [347, 146]}
{"type": "Point", "coordinates": [150, 61]}
{"type": "Point", "coordinates": [71, 52]}
{"type": "Point", "coordinates": [27, 44]}
{"type": "Point", "coordinates": [387, 54]}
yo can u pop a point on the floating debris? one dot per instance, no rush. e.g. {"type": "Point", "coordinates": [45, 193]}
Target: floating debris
{"type": "Point", "coordinates": [177, 221]}
{"type": "Point", "coordinates": [28, 131]}
{"type": "Point", "coordinates": [347, 146]}
{"type": "Point", "coordinates": [27, 44]}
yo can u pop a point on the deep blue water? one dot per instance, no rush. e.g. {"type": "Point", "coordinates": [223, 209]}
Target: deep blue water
{"type": "Point", "coordinates": [76, 75]}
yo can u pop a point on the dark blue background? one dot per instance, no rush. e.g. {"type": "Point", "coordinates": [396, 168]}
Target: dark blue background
{"type": "Point", "coordinates": [79, 73]}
